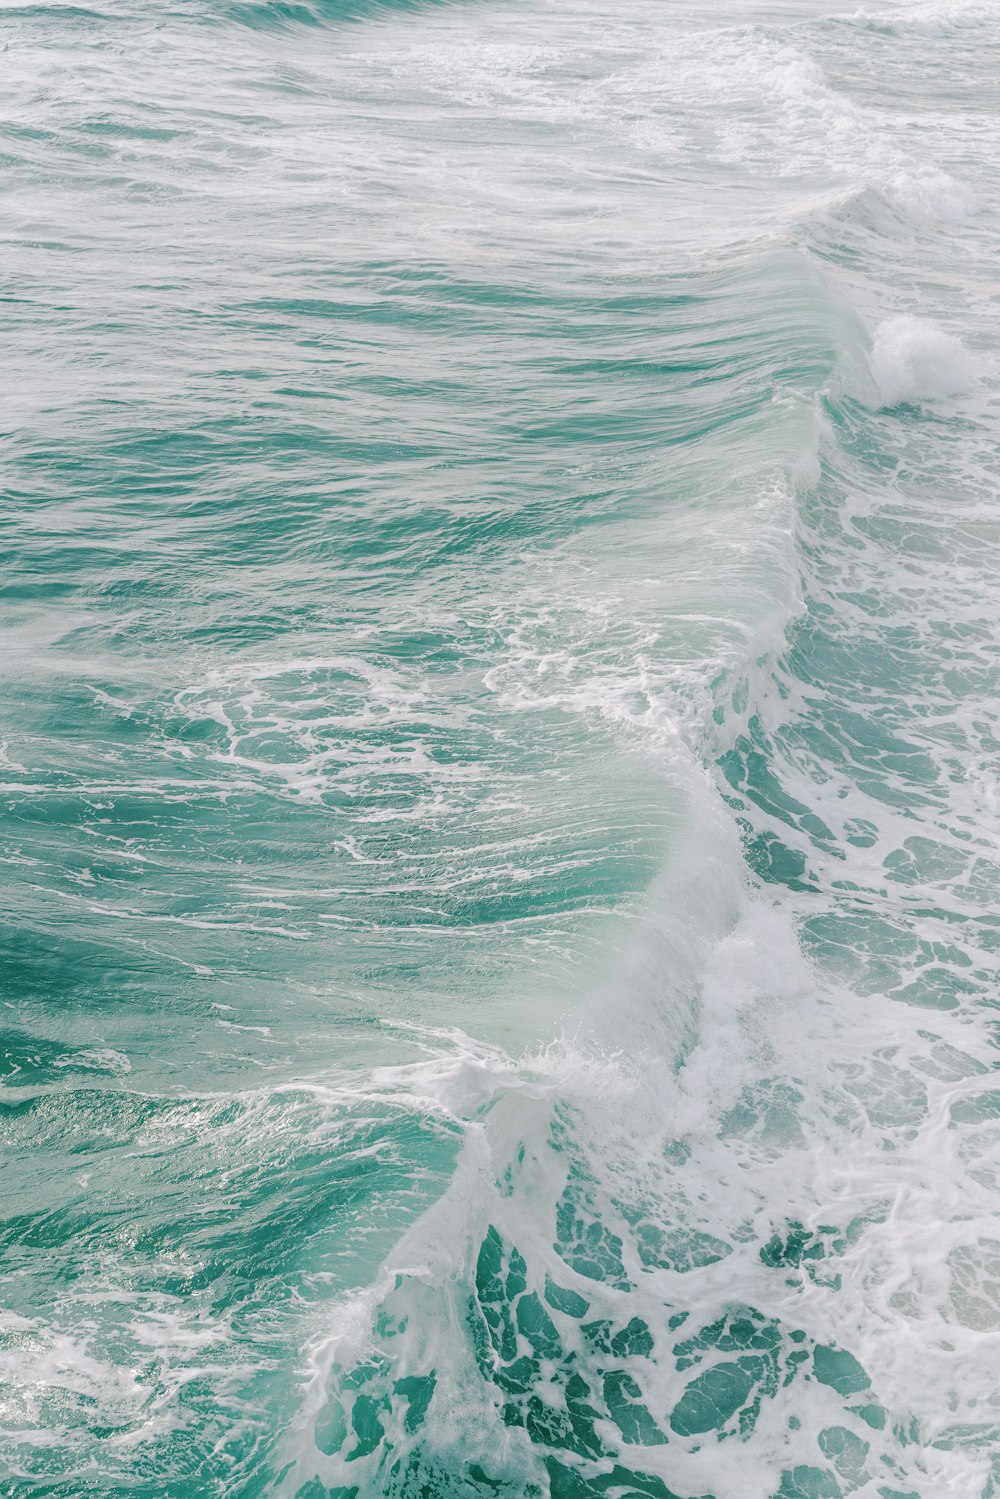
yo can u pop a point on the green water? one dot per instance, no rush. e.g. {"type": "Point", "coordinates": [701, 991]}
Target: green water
{"type": "Point", "coordinates": [499, 775]}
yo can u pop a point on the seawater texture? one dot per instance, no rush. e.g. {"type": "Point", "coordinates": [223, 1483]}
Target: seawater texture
{"type": "Point", "coordinates": [500, 761]}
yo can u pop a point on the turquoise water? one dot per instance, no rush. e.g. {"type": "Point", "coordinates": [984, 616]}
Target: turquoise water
{"type": "Point", "coordinates": [499, 760]}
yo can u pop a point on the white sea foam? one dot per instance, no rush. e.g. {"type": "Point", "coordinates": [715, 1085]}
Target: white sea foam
{"type": "Point", "coordinates": [519, 605]}
{"type": "Point", "coordinates": [913, 361]}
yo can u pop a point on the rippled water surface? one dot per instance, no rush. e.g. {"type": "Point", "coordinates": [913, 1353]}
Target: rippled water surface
{"type": "Point", "coordinates": [500, 750]}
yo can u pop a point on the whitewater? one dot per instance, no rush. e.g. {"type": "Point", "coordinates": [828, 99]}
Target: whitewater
{"type": "Point", "coordinates": [500, 749]}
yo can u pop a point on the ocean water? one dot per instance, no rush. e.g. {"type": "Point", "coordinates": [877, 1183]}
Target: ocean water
{"type": "Point", "coordinates": [500, 749]}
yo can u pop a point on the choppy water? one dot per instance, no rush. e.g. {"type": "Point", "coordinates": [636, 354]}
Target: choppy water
{"type": "Point", "coordinates": [500, 761]}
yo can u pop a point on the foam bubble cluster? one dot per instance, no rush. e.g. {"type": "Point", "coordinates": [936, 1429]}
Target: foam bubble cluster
{"type": "Point", "coordinates": [913, 361]}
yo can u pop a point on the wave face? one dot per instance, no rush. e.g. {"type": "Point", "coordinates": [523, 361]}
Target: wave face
{"type": "Point", "coordinates": [500, 770]}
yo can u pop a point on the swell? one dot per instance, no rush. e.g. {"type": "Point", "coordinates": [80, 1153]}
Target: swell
{"type": "Point", "coordinates": [671, 1255]}
{"type": "Point", "coordinates": [212, 1284]}
{"type": "Point", "coordinates": [280, 15]}
{"type": "Point", "coordinates": [264, 16]}
{"type": "Point", "coordinates": [668, 1268]}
